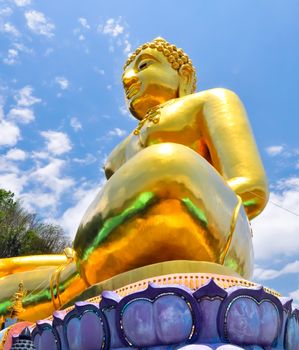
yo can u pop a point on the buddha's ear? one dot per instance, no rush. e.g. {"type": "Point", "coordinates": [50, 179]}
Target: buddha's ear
{"type": "Point", "coordinates": [186, 80]}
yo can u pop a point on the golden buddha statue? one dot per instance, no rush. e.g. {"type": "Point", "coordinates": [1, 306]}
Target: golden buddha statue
{"type": "Point", "coordinates": [181, 186]}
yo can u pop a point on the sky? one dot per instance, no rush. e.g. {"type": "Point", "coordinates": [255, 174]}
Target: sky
{"type": "Point", "coordinates": [62, 106]}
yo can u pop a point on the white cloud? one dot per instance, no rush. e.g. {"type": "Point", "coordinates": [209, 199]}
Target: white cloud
{"type": "Point", "coordinates": [269, 274]}
{"type": "Point", "coordinates": [115, 30]}
{"type": "Point", "coordinates": [9, 29]}
{"type": "Point", "coordinates": [12, 57]}
{"type": "Point", "coordinates": [112, 27]}
{"type": "Point", "coordinates": [50, 176]}
{"type": "Point", "coordinates": [275, 231]}
{"type": "Point", "coordinates": [47, 184]}
{"type": "Point", "coordinates": [99, 70]}
{"type": "Point", "coordinates": [71, 218]}
{"type": "Point", "coordinates": [127, 47]}
{"type": "Point", "coordinates": [88, 159]}
{"type": "Point", "coordinates": [75, 124]}
{"type": "Point", "coordinates": [274, 150]}
{"type": "Point", "coordinates": [57, 142]}
{"type": "Point", "coordinates": [7, 166]}
{"type": "Point", "coordinates": [295, 296]}
{"type": "Point", "coordinates": [83, 22]}
{"type": "Point", "coordinates": [16, 154]}
{"type": "Point", "coordinates": [22, 115]}
{"type": "Point", "coordinates": [40, 155]}
{"type": "Point", "coordinates": [9, 133]}
{"type": "Point", "coordinates": [25, 98]}
{"type": "Point", "coordinates": [62, 82]}
{"type": "Point", "coordinates": [22, 48]}
{"type": "Point", "coordinates": [22, 3]}
{"type": "Point", "coordinates": [39, 24]}
{"type": "Point", "coordinates": [13, 182]}
{"type": "Point", "coordinates": [81, 37]}
{"type": "Point", "coordinates": [117, 132]}
{"type": "Point", "coordinates": [5, 11]}
{"type": "Point", "coordinates": [41, 200]}
{"type": "Point", "coordinates": [49, 51]}
{"type": "Point", "coordinates": [124, 110]}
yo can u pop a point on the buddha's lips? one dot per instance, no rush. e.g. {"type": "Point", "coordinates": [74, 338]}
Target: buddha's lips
{"type": "Point", "coordinates": [132, 90]}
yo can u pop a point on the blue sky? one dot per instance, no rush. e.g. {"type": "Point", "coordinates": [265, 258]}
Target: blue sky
{"type": "Point", "coordinates": [62, 106]}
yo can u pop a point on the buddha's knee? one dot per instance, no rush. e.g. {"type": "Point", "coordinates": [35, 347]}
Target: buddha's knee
{"type": "Point", "coordinates": [169, 166]}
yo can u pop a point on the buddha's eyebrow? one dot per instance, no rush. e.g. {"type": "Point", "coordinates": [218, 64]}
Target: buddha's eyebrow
{"type": "Point", "coordinates": [143, 56]}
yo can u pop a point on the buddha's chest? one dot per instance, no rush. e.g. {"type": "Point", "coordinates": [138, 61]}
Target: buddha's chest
{"type": "Point", "coordinates": [169, 126]}
{"type": "Point", "coordinates": [177, 122]}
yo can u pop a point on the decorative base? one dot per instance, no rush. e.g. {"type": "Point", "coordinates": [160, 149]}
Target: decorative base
{"type": "Point", "coordinates": [175, 317]}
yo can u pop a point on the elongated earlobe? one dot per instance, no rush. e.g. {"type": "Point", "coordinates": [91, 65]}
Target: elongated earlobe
{"type": "Point", "coordinates": [186, 80]}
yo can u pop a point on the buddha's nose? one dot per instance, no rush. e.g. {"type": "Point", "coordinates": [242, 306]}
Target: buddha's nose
{"type": "Point", "coordinates": [129, 78]}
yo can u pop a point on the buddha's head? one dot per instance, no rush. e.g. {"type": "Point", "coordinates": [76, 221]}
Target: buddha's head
{"type": "Point", "coordinates": [155, 73]}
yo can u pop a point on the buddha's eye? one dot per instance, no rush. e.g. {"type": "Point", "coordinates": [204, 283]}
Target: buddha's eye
{"type": "Point", "coordinates": [143, 64]}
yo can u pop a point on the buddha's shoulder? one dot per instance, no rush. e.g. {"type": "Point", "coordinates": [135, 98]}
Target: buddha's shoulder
{"type": "Point", "coordinates": [215, 93]}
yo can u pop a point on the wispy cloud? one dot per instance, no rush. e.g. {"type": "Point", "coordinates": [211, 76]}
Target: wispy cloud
{"type": "Point", "coordinates": [112, 27]}
{"type": "Point", "coordinates": [5, 11]}
{"type": "Point", "coordinates": [127, 47]}
{"type": "Point", "coordinates": [57, 142]}
{"type": "Point", "coordinates": [83, 197]}
{"type": "Point", "coordinates": [269, 274]}
{"type": "Point", "coordinates": [40, 199]}
{"type": "Point", "coordinates": [14, 182]}
{"type": "Point", "coordinates": [84, 23]}
{"type": "Point", "coordinates": [12, 57]}
{"type": "Point", "coordinates": [21, 47]}
{"type": "Point", "coordinates": [295, 296]}
{"type": "Point", "coordinates": [22, 3]}
{"type": "Point", "coordinates": [75, 124]}
{"type": "Point", "coordinates": [117, 132]}
{"type": "Point", "coordinates": [50, 175]}
{"type": "Point", "coordinates": [48, 183]}
{"type": "Point", "coordinates": [275, 231]}
{"type": "Point", "coordinates": [10, 29]}
{"type": "Point", "coordinates": [274, 150]}
{"type": "Point", "coordinates": [62, 82]}
{"type": "Point", "coordinates": [39, 186]}
{"type": "Point", "coordinates": [39, 24]}
{"type": "Point", "coordinates": [123, 110]}
{"type": "Point", "coordinates": [9, 133]}
{"type": "Point", "coordinates": [99, 71]}
{"type": "Point", "coordinates": [24, 97]}
{"type": "Point", "coordinates": [16, 154]}
{"type": "Point", "coordinates": [87, 160]}
{"type": "Point", "coordinates": [22, 115]}
{"type": "Point", "coordinates": [115, 30]}
{"type": "Point", "coordinates": [82, 29]}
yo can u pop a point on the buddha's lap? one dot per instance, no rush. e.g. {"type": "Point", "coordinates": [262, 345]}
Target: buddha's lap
{"type": "Point", "coordinates": [157, 174]}
{"type": "Point", "coordinates": [159, 199]}
{"type": "Point", "coordinates": [161, 166]}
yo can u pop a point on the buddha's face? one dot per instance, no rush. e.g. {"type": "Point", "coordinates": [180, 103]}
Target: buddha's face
{"type": "Point", "coordinates": [148, 81]}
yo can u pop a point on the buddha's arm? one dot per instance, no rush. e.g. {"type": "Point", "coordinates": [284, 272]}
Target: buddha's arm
{"type": "Point", "coordinates": [232, 148]}
{"type": "Point", "coordinates": [120, 154]}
